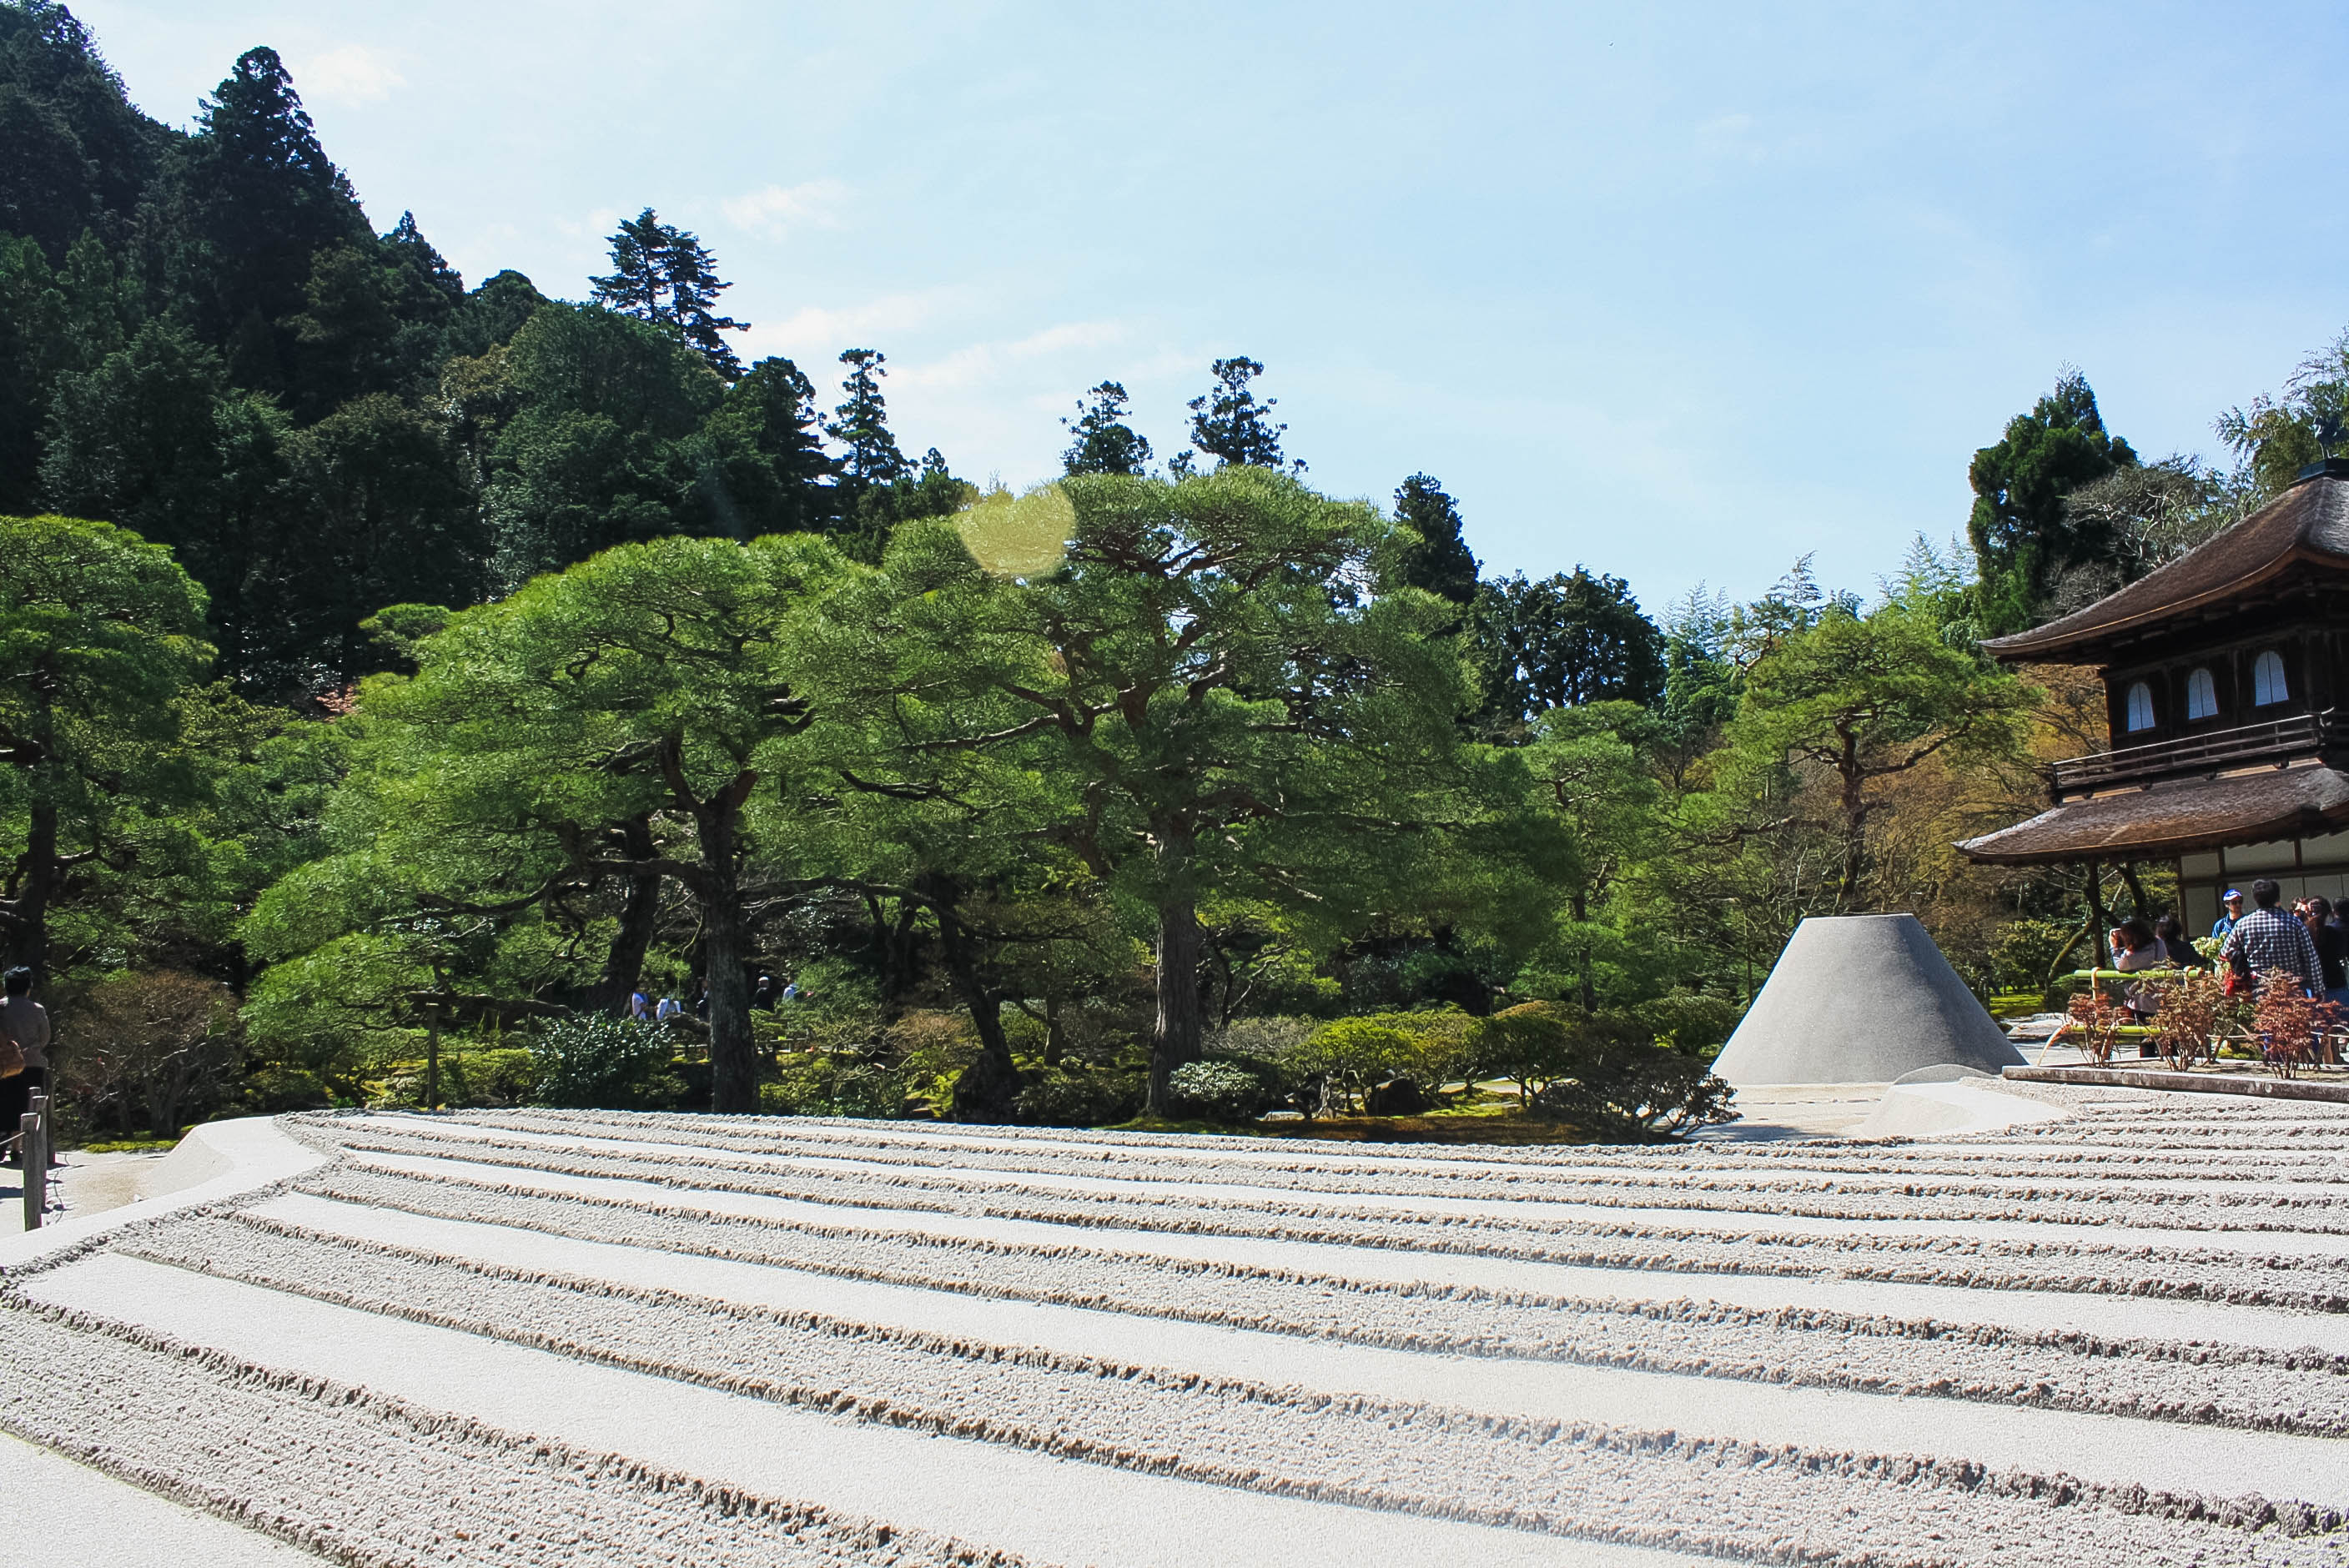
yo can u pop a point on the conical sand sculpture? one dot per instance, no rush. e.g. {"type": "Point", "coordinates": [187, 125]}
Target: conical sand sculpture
{"type": "Point", "coordinates": [1862, 998]}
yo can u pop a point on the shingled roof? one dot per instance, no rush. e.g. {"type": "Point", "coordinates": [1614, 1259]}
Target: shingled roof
{"type": "Point", "coordinates": [2174, 818]}
{"type": "Point", "coordinates": [2308, 523]}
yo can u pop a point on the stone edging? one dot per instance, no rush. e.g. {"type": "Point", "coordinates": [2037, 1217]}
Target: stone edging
{"type": "Point", "coordinates": [2193, 1083]}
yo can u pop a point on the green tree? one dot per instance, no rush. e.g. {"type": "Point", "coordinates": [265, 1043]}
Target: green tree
{"type": "Point", "coordinates": [2276, 436]}
{"type": "Point", "coordinates": [100, 639]}
{"type": "Point", "coordinates": [2024, 535]}
{"type": "Point", "coordinates": [77, 156]}
{"type": "Point", "coordinates": [1105, 443]}
{"type": "Point", "coordinates": [861, 424]}
{"type": "Point", "coordinates": [766, 470]}
{"type": "Point", "coordinates": [1562, 641]}
{"type": "Point", "coordinates": [1440, 561]}
{"type": "Point", "coordinates": [1592, 775]}
{"type": "Point", "coordinates": [1230, 426]}
{"type": "Point", "coordinates": [646, 682]}
{"type": "Point", "coordinates": [1863, 699]}
{"type": "Point", "coordinates": [598, 449]}
{"type": "Point", "coordinates": [665, 275]}
{"type": "Point", "coordinates": [247, 206]}
{"type": "Point", "coordinates": [1214, 703]}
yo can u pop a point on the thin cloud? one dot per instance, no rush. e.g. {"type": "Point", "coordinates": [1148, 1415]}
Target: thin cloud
{"type": "Point", "coordinates": [351, 73]}
{"type": "Point", "coordinates": [780, 209]}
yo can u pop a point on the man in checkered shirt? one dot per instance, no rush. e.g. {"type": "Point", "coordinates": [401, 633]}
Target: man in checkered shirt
{"type": "Point", "coordinates": [2270, 939]}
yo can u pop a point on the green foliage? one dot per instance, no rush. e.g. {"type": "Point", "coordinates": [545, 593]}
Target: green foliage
{"type": "Point", "coordinates": [597, 1062]}
{"type": "Point", "coordinates": [1104, 442]}
{"type": "Point", "coordinates": [1563, 642]}
{"type": "Point", "coordinates": [1063, 1097]}
{"type": "Point", "coordinates": [2024, 535]}
{"type": "Point", "coordinates": [1621, 1086]}
{"type": "Point", "coordinates": [1216, 1091]}
{"type": "Point", "coordinates": [1230, 426]}
{"type": "Point", "coordinates": [2278, 435]}
{"type": "Point", "coordinates": [1439, 560]}
{"type": "Point", "coordinates": [818, 1084]}
{"type": "Point", "coordinates": [662, 274]}
{"type": "Point", "coordinates": [1351, 1056]}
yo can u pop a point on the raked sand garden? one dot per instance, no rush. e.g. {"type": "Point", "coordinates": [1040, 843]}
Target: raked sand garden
{"type": "Point", "coordinates": [543, 1338]}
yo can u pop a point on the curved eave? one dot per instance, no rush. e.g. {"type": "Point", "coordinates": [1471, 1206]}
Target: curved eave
{"type": "Point", "coordinates": [2165, 821]}
{"type": "Point", "coordinates": [2031, 647]}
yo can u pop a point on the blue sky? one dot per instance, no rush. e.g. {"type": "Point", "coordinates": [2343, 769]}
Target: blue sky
{"type": "Point", "coordinates": [1678, 292]}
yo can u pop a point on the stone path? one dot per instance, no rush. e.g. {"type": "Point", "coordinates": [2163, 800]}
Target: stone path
{"type": "Point", "coordinates": [540, 1337]}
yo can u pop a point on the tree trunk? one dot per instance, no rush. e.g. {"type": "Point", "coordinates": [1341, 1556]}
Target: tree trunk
{"type": "Point", "coordinates": [1854, 825]}
{"type": "Point", "coordinates": [1056, 1034]}
{"type": "Point", "coordinates": [41, 877]}
{"type": "Point", "coordinates": [2138, 906]}
{"type": "Point", "coordinates": [2099, 923]}
{"type": "Point", "coordinates": [624, 964]}
{"type": "Point", "coordinates": [1589, 990]}
{"type": "Point", "coordinates": [1175, 1040]}
{"type": "Point", "coordinates": [733, 1061]}
{"type": "Point", "coordinates": [988, 1088]}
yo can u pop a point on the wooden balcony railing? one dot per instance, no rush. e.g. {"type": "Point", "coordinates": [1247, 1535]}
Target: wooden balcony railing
{"type": "Point", "coordinates": [2301, 735]}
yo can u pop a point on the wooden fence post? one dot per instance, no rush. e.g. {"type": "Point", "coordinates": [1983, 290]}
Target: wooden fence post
{"type": "Point", "coordinates": [33, 1155]}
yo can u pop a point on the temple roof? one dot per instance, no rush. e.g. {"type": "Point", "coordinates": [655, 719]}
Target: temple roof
{"type": "Point", "coordinates": [2175, 819]}
{"type": "Point", "coordinates": [2310, 522]}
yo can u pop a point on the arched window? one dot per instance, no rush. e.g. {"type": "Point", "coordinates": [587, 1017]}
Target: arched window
{"type": "Point", "coordinates": [2201, 694]}
{"type": "Point", "coordinates": [2140, 706]}
{"type": "Point", "coordinates": [2267, 679]}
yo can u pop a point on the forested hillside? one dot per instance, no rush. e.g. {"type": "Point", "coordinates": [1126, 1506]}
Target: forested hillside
{"type": "Point", "coordinates": [405, 675]}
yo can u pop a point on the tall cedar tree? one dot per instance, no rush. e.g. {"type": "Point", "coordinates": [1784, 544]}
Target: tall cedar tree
{"type": "Point", "coordinates": [1105, 443]}
{"type": "Point", "coordinates": [663, 274]}
{"type": "Point", "coordinates": [1441, 562]}
{"type": "Point", "coordinates": [861, 424]}
{"type": "Point", "coordinates": [264, 200]}
{"type": "Point", "coordinates": [1229, 425]}
{"type": "Point", "coordinates": [2024, 535]}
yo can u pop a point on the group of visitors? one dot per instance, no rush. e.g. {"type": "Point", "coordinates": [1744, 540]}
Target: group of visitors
{"type": "Point", "coordinates": [2310, 943]}
{"type": "Point", "coordinates": [765, 997]}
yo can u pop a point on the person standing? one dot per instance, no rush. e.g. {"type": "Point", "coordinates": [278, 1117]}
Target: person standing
{"type": "Point", "coordinates": [2268, 939]}
{"type": "Point", "coordinates": [26, 1022]}
{"type": "Point", "coordinates": [2332, 945]}
{"type": "Point", "coordinates": [2172, 933]}
{"type": "Point", "coordinates": [2231, 912]}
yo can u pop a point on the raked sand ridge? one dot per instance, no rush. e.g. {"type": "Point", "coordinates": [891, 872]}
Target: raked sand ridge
{"type": "Point", "coordinates": [536, 1337]}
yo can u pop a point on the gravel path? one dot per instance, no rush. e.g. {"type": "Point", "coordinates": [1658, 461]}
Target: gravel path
{"type": "Point", "coordinates": [541, 1337]}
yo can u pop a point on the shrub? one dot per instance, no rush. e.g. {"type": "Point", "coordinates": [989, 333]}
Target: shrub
{"type": "Point", "coordinates": [1060, 1098]}
{"type": "Point", "coordinates": [595, 1062]}
{"type": "Point", "coordinates": [156, 1050]}
{"type": "Point", "coordinates": [1603, 1073]}
{"type": "Point", "coordinates": [1631, 1089]}
{"type": "Point", "coordinates": [813, 1085]}
{"type": "Point", "coordinates": [1217, 1091]}
{"type": "Point", "coordinates": [1689, 1020]}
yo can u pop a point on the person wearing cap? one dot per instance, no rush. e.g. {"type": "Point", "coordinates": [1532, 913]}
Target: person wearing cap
{"type": "Point", "coordinates": [2233, 912]}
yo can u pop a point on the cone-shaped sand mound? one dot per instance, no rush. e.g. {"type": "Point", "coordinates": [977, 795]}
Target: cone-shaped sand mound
{"type": "Point", "coordinates": [1862, 998]}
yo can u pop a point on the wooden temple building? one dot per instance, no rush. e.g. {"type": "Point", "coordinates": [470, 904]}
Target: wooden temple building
{"type": "Point", "coordinates": [2222, 672]}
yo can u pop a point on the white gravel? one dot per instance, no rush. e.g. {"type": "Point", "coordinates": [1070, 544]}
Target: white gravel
{"type": "Point", "coordinates": [542, 1339]}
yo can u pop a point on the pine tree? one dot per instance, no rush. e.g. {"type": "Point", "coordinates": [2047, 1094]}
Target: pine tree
{"type": "Point", "coordinates": [1441, 562]}
{"type": "Point", "coordinates": [1229, 425]}
{"type": "Point", "coordinates": [1105, 443]}
{"type": "Point", "coordinates": [862, 425]}
{"type": "Point", "coordinates": [664, 274]}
